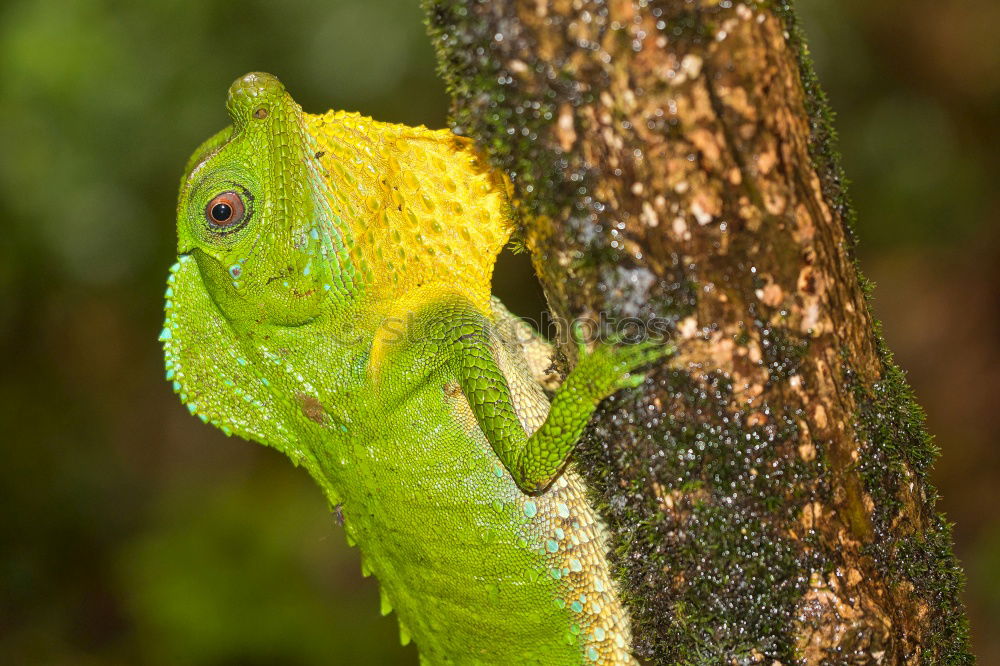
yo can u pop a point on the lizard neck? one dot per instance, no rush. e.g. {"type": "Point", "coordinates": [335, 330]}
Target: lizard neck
{"type": "Point", "coordinates": [238, 374]}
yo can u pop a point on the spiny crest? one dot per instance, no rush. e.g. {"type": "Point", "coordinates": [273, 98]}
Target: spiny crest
{"type": "Point", "coordinates": [425, 212]}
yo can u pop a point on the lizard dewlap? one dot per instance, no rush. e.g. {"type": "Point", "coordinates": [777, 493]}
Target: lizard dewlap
{"type": "Point", "coordinates": [331, 298]}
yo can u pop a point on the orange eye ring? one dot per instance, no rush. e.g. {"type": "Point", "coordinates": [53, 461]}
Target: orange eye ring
{"type": "Point", "coordinates": [225, 211]}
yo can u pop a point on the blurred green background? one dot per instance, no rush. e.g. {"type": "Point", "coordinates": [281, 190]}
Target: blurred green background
{"type": "Point", "coordinates": [133, 534]}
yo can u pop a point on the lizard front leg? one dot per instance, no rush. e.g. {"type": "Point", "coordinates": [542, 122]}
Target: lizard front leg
{"type": "Point", "coordinates": [535, 461]}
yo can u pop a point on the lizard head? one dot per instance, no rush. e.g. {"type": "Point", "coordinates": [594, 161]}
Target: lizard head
{"type": "Point", "coordinates": [254, 215]}
{"type": "Point", "coordinates": [260, 256]}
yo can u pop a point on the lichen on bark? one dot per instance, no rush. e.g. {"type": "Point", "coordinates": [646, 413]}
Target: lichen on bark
{"type": "Point", "coordinates": [672, 161]}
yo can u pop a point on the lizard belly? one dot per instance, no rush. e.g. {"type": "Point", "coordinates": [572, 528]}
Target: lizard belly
{"type": "Point", "coordinates": [477, 571]}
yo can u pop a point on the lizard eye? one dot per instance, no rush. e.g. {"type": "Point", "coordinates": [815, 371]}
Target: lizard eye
{"type": "Point", "coordinates": [225, 211]}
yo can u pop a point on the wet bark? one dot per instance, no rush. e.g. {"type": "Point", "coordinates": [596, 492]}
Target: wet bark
{"type": "Point", "coordinates": [767, 488]}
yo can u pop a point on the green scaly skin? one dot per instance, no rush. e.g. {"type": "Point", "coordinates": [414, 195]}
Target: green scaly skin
{"type": "Point", "coordinates": [425, 424]}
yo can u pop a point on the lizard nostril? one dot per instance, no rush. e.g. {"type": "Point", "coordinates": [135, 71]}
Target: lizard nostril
{"type": "Point", "coordinates": [253, 93]}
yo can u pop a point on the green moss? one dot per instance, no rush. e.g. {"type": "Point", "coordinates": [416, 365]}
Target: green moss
{"type": "Point", "coordinates": [783, 351]}
{"type": "Point", "coordinates": [733, 575]}
{"type": "Point", "coordinates": [897, 454]}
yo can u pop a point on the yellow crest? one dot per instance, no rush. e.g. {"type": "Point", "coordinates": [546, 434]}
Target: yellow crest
{"type": "Point", "coordinates": [426, 213]}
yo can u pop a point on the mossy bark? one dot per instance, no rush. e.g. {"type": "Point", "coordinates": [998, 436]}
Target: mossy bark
{"type": "Point", "coordinates": [767, 489]}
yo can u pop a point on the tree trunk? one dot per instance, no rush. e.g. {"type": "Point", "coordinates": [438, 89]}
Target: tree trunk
{"type": "Point", "coordinates": [768, 489]}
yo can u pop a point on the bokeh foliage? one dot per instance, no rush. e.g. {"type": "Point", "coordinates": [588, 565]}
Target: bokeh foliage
{"type": "Point", "coordinates": [133, 534]}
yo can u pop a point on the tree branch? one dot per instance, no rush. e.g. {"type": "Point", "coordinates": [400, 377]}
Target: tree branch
{"type": "Point", "coordinates": [768, 493]}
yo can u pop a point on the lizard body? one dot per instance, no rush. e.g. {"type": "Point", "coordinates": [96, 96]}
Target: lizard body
{"type": "Point", "coordinates": [331, 299]}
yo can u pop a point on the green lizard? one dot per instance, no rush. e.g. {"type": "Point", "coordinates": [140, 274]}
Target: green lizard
{"type": "Point", "coordinates": [331, 299]}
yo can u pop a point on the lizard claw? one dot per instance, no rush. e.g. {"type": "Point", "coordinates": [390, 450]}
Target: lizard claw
{"type": "Point", "coordinates": [614, 364]}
